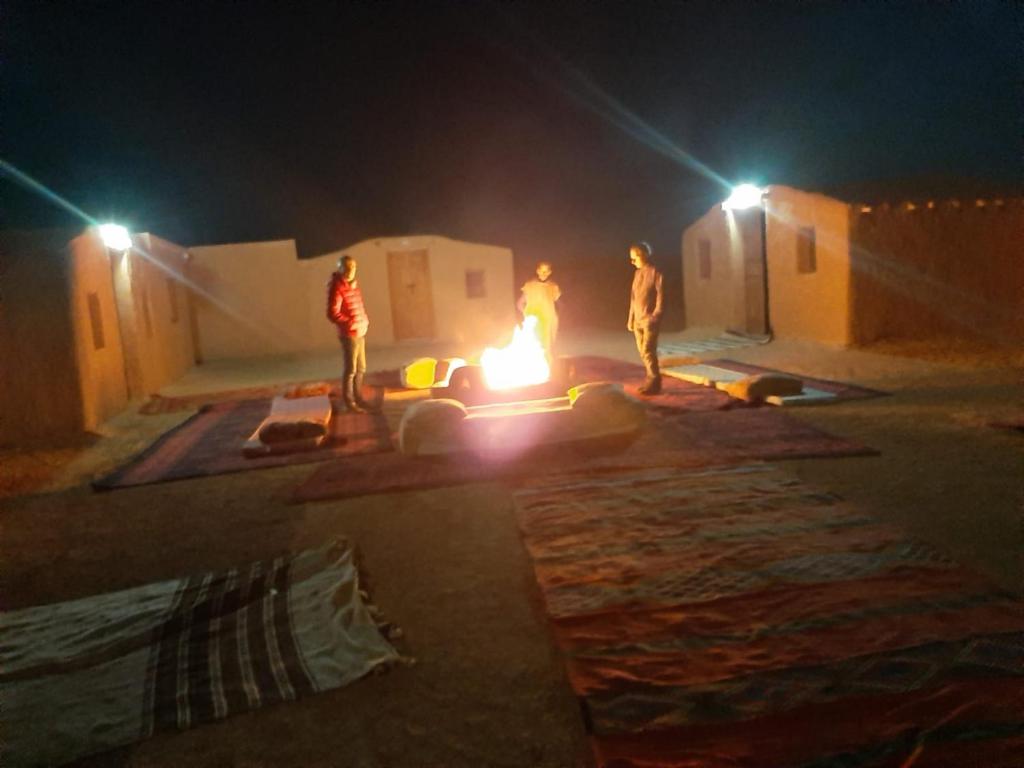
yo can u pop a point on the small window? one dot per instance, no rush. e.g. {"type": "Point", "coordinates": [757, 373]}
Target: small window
{"type": "Point", "coordinates": [147, 318]}
{"type": "Point", "coordinates": [806, 257]}
{"type": "Point", "coordinates": [475, 286]}
{"type": "Point", "coordinates": [172, 298]}
{"type": "Point", "coordinates": [704, 259]}
{"type": "Point", "coordinates": [96, 319]}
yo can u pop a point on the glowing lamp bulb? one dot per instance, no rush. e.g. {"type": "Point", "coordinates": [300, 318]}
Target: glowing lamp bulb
{"type": "Point", "coordinates": [743, 196]}
{"type": "Point", "coordinates": [115, 237]}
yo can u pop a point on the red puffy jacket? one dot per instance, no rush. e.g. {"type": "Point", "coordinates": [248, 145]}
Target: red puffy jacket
{"type": "Point", "coordinates": [345, 306]}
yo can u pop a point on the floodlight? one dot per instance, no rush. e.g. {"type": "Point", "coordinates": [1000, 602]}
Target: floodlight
{"type": "Point", "coordinates": [743, 196]}
{"type": "Point", "coordinates": [115, 237]}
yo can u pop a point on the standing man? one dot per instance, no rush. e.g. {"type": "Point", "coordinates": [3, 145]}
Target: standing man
{"type": "Point", "coordinates": [645, 314]}
{"type": "Point", "coordinates": [345, 309]}
{"type": "Point", "coordinates": [537, 300]}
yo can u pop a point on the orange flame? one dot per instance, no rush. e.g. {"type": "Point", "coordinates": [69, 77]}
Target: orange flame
{"type": "Point", "coordinates": [522, 363]}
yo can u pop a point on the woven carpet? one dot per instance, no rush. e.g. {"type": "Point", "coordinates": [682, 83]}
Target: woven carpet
{"type": "Point", "coordinates": [841, 390]}
{"type": "Point", "coordinates": [375, 380]}
{"type": "Point", "coordinates": [735, 617]}
{"type": "Point", "coordinates": [210, 443]}
{"type": "Point", "coordinates": [675, 394]}
{"type": "Point", "coordinates": [671, 439]}
{"type": "Point", "coordinates": [716, 344]}
{"type": "Point", "coordinates": [86, 676]}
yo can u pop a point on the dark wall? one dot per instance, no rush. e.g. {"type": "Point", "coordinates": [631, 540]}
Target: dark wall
{"type": "Point", "coordinates": [38, 375]}
{"type": "Point", "coordinates": [956, 268]}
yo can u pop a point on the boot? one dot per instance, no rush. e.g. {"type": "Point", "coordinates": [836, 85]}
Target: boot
{"type": "Point", "coordinates": [357, 394]}
{"type": "Point", "coordinates": [348, 394]}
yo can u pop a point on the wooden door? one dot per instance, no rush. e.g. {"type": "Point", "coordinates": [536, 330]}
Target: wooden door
{"type": "Point", "coordinates": [412, 304]}
{"type": "Point", "coordinates": [750, 282]}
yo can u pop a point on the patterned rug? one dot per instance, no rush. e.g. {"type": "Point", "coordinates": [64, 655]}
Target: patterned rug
{"type": "Point", "coordinates": [675, 394]}
{"type": "Point", "coordinates": [375, 380]}
{"type": "Point", "coordinates": [89, 675]}
{"type": "Point", "coordinates": [735, 617]}
{"type": "Point", "coordinates": [842, 390]}
{"type": "Point", "coordinates": [701, 346]}
{"type": "Point", "coordinates": [210, 443]}
{"type": "Point", "coordinates": [672, 439]}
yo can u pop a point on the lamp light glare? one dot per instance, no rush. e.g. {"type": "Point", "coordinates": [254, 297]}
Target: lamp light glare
{"type": "Point", "coordinates": [115, 237]}
{"type": "Point", "coordinates": [743, 196]}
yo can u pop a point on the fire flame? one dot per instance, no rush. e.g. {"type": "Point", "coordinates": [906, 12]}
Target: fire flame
{"type": "Point", "coordinates": [522, 363]}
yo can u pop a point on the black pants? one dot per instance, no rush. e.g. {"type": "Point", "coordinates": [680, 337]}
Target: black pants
{"type": "Point", "coordinates": [647, 346]}
{"type": "Point", "coordinates": [353, 349]}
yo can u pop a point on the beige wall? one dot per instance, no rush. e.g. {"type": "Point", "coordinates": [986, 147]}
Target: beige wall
{"type": "Point", "coordinates": [801, 305]}
{"type": "Point", "coordinates": [717, 300]}
{"type": "Point", "coordinates": [258, 298]}
{"type": "Point", "coordinates": [808, 305]}
{"type": "Point", "coordinates": [101, 372]}
{"type": "Point", "coordinates": [157, 272]}
{"type": "Point", "coordinates": [952, 267]}
{"type": "Point", "coordinates": [484, 320]}
{"type": "Point", "coordinates": [249, 300]}
{"type": "Point", "coordinates": [39, 393]}
{"type": "Point", "coordinates": [59, 375]}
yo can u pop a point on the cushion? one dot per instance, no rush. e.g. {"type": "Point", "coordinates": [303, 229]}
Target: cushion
{"type": "Point", "coordinates": [419, 374]}
{"type": "Point", "coordinates": [605, 407]}
{"type": "Point", "coordinates": [431, 426]}
{"type": "Point", "coordinates": [300, 418]}
{"type": "Point", "coordinates": [763, 385]}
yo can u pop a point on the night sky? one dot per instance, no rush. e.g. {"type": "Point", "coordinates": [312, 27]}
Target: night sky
{"type": "Point", "coordinates": [562, 130]}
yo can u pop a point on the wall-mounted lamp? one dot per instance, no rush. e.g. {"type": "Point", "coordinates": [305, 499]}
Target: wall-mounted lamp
{"type": "Point", "coordinates": [115, 237]}
{"type": "Point", "coordinates": [743, 196]}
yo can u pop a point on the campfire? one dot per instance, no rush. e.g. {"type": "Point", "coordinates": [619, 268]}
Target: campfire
{"type": "Point", "coordinates": [517, 402]}
{"type": "Point", "coordinates": [520, 364]}
{"type": "Point", "coordinates": [518, 371]}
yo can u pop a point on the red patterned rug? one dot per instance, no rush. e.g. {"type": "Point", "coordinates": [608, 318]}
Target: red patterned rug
{"type": "Point", "coordinates": [675, 394]}
{"type": "Point", "coordinates": [841, 390]}
{"type": "Point", "coordinates": [672, 439]}
{"type": "Point", "coordinates": [734, 617]}
{"type": "Point", "coordinates": [375, 383]}
{"type": "Point", "coordinates": [210, 443]}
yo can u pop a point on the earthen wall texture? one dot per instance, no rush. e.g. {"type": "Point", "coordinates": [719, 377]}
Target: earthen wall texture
{"type": "Point", "coordinates": [249, 300]}
{"type": "Point", "coordinates": [709, 295]}
{"type": "Point", "coordinates": [923, 271]}
{"type": "Point", "coordinates": [39, 393]}
{"type": "Point", "coordinates": [101, 373]}
{"type": "Point", "coordinates": [160, 297]}
{"type": "Point", "coordinates": [257, 299]}
{"type": "Point", "coordinates": [810, 304]}
{"type": "Point", "coordinates": [457, 316]}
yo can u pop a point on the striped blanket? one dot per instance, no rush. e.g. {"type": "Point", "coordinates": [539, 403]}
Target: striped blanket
{"type": "Point", "coordinates": [92, 674]}
{"type": "Point", "coordinates": [734, 617]}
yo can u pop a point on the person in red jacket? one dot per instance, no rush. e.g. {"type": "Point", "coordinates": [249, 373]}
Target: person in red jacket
{"type": "Point", "coordinates": [345, 309]}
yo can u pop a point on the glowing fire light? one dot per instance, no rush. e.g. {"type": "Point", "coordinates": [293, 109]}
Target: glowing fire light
{"type": "Point", "coordinates": [520, 364]}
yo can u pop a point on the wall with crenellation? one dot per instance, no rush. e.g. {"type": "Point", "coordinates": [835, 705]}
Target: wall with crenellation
{"type": "Point", "coordinates": [936, 268]}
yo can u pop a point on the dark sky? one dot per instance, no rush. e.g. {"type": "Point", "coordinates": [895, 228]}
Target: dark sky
{"type": "Point", "coordinates": [560, 129]}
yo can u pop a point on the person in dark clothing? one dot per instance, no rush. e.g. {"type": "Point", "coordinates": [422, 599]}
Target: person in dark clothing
{"type": "Point", "coordinates": [345, 309]}
{"type": "Point", "coordinates": [645, 313]}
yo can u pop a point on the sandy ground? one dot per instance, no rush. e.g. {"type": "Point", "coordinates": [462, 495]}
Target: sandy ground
{"type": "Point", "coordinates": [448, 566]}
